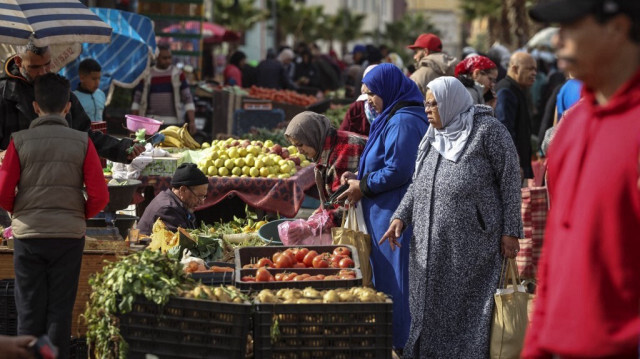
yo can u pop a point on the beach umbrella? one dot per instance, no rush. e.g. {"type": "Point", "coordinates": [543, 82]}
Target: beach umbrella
{"type": "Point", "coordinates": [126, 58]}
{"type": "Point", "coordinates": [50, 22]}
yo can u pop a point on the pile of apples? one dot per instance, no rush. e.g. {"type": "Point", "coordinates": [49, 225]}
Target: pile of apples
{"type": "Point", "coordinates": [244, 158]}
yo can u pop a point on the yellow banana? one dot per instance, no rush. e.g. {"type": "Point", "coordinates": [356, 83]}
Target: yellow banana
{"type": "Point", "coordinates": [186, 138]}
{"type": "Point", "coordinates": [170, 141]}
{"type": "Point", "coordinates": [171, 131]}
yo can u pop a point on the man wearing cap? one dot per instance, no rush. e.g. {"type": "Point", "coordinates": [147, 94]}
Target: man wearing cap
{"type": "Point", "coordinates": [588, 295]}
{"type": "Point", "coordinates": [175, 205]}
{"type": "Point", "coordinates": [431, 62]}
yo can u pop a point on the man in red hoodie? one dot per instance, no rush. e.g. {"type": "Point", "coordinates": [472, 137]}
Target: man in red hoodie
{"type": "Point", "coordinates": [588, 303]}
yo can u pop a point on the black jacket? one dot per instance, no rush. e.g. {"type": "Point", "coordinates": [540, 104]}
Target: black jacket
{"type": "Point", "coordinates": [512, 110]}
{"type": "Point", "coordinates": [16, 113]}
{"type": "Point", "coordinates": [166, 206]}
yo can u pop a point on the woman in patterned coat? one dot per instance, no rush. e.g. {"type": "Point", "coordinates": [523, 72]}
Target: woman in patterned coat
{"type": "Point", "coordinates": [464, 205]}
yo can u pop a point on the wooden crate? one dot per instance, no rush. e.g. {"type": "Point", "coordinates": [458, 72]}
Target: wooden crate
{"type": "Point", "coordinates": [92, 262]}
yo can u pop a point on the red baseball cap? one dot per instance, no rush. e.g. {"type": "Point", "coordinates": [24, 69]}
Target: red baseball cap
{"type": "Point", "coordinates": [427, 41]}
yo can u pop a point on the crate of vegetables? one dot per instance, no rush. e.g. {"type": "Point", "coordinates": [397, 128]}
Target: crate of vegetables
{"type": "Point", "coordinates": [208, 322]}
{"type": "Point", "coordinates": [319, 257]}
{"type": "Point", "coordinates": [274, 278]}
{"type": "Point", "coordinates": [340, 323]}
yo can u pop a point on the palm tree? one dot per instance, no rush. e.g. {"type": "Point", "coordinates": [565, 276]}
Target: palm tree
{"type": "Point", "coordinates": [237, 15]}
{"type": "Point", "coordinates": [345, 26]}
{"type": "Point", "coordinates": [405, 31]}
{"type": "Point", "coordinates": [508, 20]}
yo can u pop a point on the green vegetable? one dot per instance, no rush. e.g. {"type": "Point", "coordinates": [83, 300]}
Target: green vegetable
{"type": "Point", "coordinates": [146, 273]}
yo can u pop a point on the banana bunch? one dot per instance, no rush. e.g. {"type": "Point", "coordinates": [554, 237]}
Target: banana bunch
{"type": "Point", "coordinates": [180, 137]}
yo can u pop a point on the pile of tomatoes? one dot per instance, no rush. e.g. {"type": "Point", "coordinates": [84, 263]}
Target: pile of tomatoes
{"type": "Point", "coordinates": [305, 258]}
{"type": "Point", "coordinates": [263, 275]}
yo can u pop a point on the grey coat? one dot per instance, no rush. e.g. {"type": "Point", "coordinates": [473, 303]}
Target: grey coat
{"type": "Point", "coordinates": [459, 211]}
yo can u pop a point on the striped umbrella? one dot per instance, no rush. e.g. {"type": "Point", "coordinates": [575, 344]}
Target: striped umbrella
{"type": "Point", "coordinates": [126, 58]}
{"type": "Point", "coordinates": [48, 22]}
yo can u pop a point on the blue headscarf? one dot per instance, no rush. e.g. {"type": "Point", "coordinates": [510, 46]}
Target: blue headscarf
{"type": "Point", "coordinates": [388, 82]}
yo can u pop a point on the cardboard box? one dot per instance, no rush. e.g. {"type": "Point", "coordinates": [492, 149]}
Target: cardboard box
{"type": "Point", "coordinates": [161, 166]}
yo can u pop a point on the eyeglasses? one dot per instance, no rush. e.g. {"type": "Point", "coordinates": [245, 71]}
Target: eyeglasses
{"type": "Point", "coordinates": [201, 197]}
{"type": "Point", "coordinates": [430, 104]}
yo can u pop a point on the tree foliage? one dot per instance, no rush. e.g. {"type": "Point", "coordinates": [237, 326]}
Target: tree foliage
{"type": "Point", "coordinates": [237, 15]}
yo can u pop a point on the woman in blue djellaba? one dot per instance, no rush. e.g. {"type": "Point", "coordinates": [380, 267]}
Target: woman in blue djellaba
{"type": "Point", "coordinates": [384, 174]}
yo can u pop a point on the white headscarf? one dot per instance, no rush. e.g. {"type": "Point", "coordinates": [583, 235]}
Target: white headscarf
{"type": "Point", "coordinates": [456, 110]}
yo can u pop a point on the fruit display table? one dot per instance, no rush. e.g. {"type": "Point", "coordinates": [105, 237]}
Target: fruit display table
{"type": "Point", "coordinates": [283, 196]}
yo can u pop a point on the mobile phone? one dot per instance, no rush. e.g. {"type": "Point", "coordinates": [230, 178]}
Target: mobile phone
{"type": "Point", "coordinates": [42, 348]}
{"type": "Point", "coordinates": [334, 197]}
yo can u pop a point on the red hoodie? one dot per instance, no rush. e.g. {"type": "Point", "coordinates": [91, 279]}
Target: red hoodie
{"type": "Point", "coordinates": [588, 301]}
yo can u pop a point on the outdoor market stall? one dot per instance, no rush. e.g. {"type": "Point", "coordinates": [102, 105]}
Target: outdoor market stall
{"type": "Point", "coordinates": [274, 195]}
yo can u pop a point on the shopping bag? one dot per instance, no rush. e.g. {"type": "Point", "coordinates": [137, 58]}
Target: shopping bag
{"type": "Point", "coordinates": [350, 233]}
{"type": "Point", "coordinates": [535, 205]}
{"type": "Point", "coordinates": [510, 317]}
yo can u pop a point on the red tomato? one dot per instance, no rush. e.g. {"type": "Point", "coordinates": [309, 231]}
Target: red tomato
{"type": "Point", "coordinates": [347, 276]}
{"type": "Point", "coordinates": [346, 263]}
{"type": "Point", "coordinates": [345, 271]}
{"type": "Point", "coordinates": [284, 261]}
{"type": "Point", "coordinates": [264, 262]}
{"type": "Point", "coordinates": [331, 277]}
{"type": "Point", "coordinates": [289, 277]}
{"type": "Point", "coordinates": [275, 256]}
{"type": "Point", "coordinates": [313, 277]}
{"type": "Point", "coordinates": [279, 276]}
{"type": "Point", "coordinates": [342, 251]}
{"type": "Point", "coordinates": [320, 262]}
{"type": "Point", "coordinates": [320, 276]}
{"type": "Point", "coordinates": [263, 275]}
{"type": "Point", "coordinates": [301, 277]}
{"type": "Point", "coordinates": [299, 265]}
{"type": "Point", "coordinates": [334, 260]}
{"type": "Point", "coordinates": [300, 254]}
{"type": "Point", "coordinates": [308, 259]}
{"type": "Point", "coordinates": [248, 278]}
{"type": "Point", "coordinates": [291, 255]}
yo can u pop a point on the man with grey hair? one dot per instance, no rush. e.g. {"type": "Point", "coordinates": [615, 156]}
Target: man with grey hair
{"type": "Point", "coordinates": [16, 109]}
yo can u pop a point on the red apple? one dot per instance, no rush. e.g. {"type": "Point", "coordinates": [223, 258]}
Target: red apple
{"type": "Point", "coordinates": [285, 153]}
{"type": "Point", "coordinates": [277, 149]}
{"type": "Point", "coordinates": [235, 143]}
{"type": "Point", "coordinates": [295, 160]}
{"type": "Point", "coordinates": [245, 143]}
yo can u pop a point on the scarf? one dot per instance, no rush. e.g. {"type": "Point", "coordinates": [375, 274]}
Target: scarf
{"type": "Point", "coordinates": [456, 110]}
{"type": "Point", "coordinates": [309, 128]}
{"type": "Point", "coordinates": [388, 82]}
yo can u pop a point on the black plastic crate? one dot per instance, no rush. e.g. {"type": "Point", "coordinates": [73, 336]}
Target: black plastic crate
{"type": "Point", "coordinates": [215, 279]}
{"type": "Point", "coordinates": [78, 348]}
{"type": "Point", "coordinates": [8, 312]}
{"type": "Point", "coordinates": [317, 284]}
{"type": "Point", "coordinates": [335, 330]}
{"type": "Point", "coordinates": [249, 255]}
{"type": "Point", "coordinates": [187, 328]}
{"type": "Point", "coordinates": [245, 120]}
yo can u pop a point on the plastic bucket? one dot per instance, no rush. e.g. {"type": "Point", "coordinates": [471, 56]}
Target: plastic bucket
{"type": "Point", "coordinates": [269, 232]}
{"type": "Point", "coordinates": [134, 123]}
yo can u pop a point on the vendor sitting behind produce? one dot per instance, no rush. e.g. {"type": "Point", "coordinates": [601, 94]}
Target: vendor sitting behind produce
{"type": "Point", "coordinates": [175, 205]}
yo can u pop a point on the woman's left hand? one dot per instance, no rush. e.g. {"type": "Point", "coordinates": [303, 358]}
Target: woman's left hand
{"type": "Point", "coordinates": [352, 193]}
{"type": "Point", "coordinates": [509, 246]}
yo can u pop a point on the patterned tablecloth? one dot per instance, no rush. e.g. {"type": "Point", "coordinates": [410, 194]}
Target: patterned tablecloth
{"type": "Point", "coordinates": [283, 196]}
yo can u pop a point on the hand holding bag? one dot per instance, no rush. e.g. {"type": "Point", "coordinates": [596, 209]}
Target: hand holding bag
{"type": "Point", "coordinates": [350, 233]}
{"type": "Point", "coordinates": [509, 314]}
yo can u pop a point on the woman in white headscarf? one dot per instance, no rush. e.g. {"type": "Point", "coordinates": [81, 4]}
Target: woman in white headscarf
{"type": "Point", "coordinates": [464, 204]}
